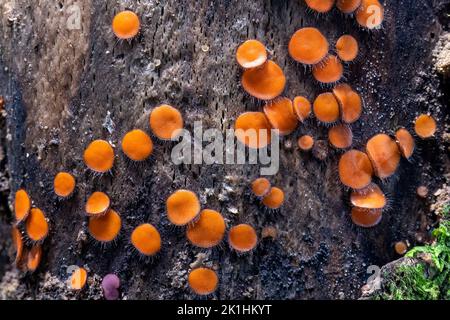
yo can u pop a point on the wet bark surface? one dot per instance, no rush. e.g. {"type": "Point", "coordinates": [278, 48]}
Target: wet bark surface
{"type": "Point", "coordinates": [64, 88]}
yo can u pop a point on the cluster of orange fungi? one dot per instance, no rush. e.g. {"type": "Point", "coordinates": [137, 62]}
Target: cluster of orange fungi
{"type": "Point", "coordinates": [310, 47]}
{"type": "Point", "coordinates": [265, 80]}
{"type": "Point", "coordinates": [340, 108]}
{"type": "Point", "coordinates": [206, 229]}
{"type": "Point", "coordinates": [381, 158]}
{"type": "Point", "coordinates": [369, 13]}
{"type": "Point", "coordinates": [271, 197]}
{"type": "Point", "coordinates": [31, 222]}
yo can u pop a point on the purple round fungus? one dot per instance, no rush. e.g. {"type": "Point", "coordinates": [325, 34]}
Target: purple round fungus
{"type": "Point", "coordinates": [110, 286]}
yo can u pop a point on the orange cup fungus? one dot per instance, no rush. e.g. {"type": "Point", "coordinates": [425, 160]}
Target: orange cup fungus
{"type": "Point", "coordinates": [126, 25]}
{"type": "Point", "coordinates": [18, 243]}
{"type": "Point", "coordinates": [330, 70]}
{"type": "Point", "coordinates": [340, 136]}
{"type": "Point", "coordinates": [208, 231]}
{"type": "Point", "coordinates": [347, 48]}
{"type": "Point", "coordinates": [366, 218]}
{"type": "Point", "coordinates": [384, 155]}
{"type": "Point", "coordinates": [281, 116]}
{"type": "Point", "coordinates": [242, 238]}
{"type": "Point", "coordinates": [302, 108]}
{"type": "Point", "coordinates": [22, 205]}
{"type": "Point", "coordinates": [350, 102]}
{"type": "Point", "coordinates": [253, 129]}
{"type": "Point", "coordinates": [401, 247]}
{"type": "Point", "coordinates": [305, 142]}
{"type": "Point", "coordinates": [105, 228]}
{"type": "Point", "coordinates": [370, 14]}
{"type": "Point", "coordinates": [422, 191]}
{"type": "Point", "coordinates": [326, 108]}
{"type": "Point", "coordinates": [348, 6]}
{"type": "Point", "coordinates": [260, 187]}
{"type": "Point", "coordinates": [99, 156]}
{"type": "Point", "coordinates": [137, 145]}
{"type": "Point", "coordinates": [321, 6]}
{"type": "Point", "coordinates": [266, 82]}
{"type": "Point", "coordinates": [274, 199]}
{"type": "Point", "coordinates": [97, 204]}
{"type": "Point", "coordinates": [269, 232]}
{"type": "Point", "coordinates": [405, 142]}
{"type": "Point", "coordinates": [355, 169]}
{"type": "Point", "coordinates": [308, 46]}
{"type": "Point", "coordinates": [37, 225]}
{"type": "Point", "coordinates": [425, 126]}
{"type": "Point", "coordinates": [34, 258]}
{"type": "Point", "coordinates": [146, 239]}
{"type": "Point", "coordinates": [166, 122]}
{"type": "Point", "coordinates": [203, 281]}
{"type": "Point", "coordinates": [182, 207]}
{"type": "Point", "coordinates": [78, 279]}
{"type": "Point", "coordinates": [251, 54]}
{"type": "Point", "coordinates": [371, 197]}
{"type": "Point", "coordinates": [64, 184]}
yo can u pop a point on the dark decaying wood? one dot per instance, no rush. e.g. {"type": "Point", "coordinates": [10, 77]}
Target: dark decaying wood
{"type": "Point", "coordinates": [63, 88]}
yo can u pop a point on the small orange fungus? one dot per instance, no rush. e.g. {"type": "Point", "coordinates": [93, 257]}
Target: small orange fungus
{"type": "Point", "coordinates": [242, 238]}
{"type": "Point", "coordinates": [348, 6]}
{"type": "Point", "coordinates": [349, 101]}
{"type": "Point", "coordinates": [371, 197]}
{"type": "Point", "coordinates": [308, 46]}
{"type": "Point", "coordinates": [203, 281]}
{"type": "Point", "coordinates": [326, 108]}
{"type": "Point", "coordinates": [269, 232]}
{"type": "Point", "coordinates": [340, 136]}
{"type": "Point", "coordinates": [182, 207]}
{"type": "Point", "coordinates": [274, 199]}
{"type": "Point", "coordinates": [105, 228]}
{"type": "Point", "coordinates": [425, 126]}
{"type": "Point", "coordinates": [97, 204]}
{"type": "Point", "coordinates": [330, 70]}
{"type": "Point", "coordinates": [253, 129]}
{"type": "Point", "coordinates": [260, 187]}
{"type": "Point", "coordinates": [405, 142]}
{"type": "Point", "coordinates": [64, 184]}
{"type": "Point", "coordinates": [347, 48]}
{"type": "Point", "coordinates": [208, 231]}
{"type": "Point", "coordinates": [266, 82]}
{"type": "Point", "coordinates": [18, 243]}
{"type": "Point", "coordinates": [355, 169]}
{"type": "Point", "coordinates": [302, 108]}
{"type": "Point", "coordinates": [99, 156]}
{"type": "Point", "coordinates": [370, 14]}
{"type": "Point", "coordinates": [126, 25]}
{"type": "Point", "coordinates": [37, 225]}
{"type": "Point", "coordinates": [78, 279]}
{"type": "Point", "coordinates": [401, 247]}
{"type": "Point", "coordinates": [366, 218]}
{"type": "Point", "coordinates": [251, 54]}
{"type": "Point", "coordinates": [34, 258]}
{"type": "Point", "coordinates": [281, 116]}
{"type": "Point", "coordinates": [166, 122]}
{"type": "Point", "coordinates": [146, 239]}
{"type": "Point", "coordinates": [305, 142]}
{"type": "Point", "coordinates": [321, 6]}
{"type": "Point", "coordinates": [137, 145]}
{"type": "Point", "coordinates": [22, 205]}
{"type": "Point", "coordinates": [422, 191]}
{"type": "Point", "coordinates": [384, 155]}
